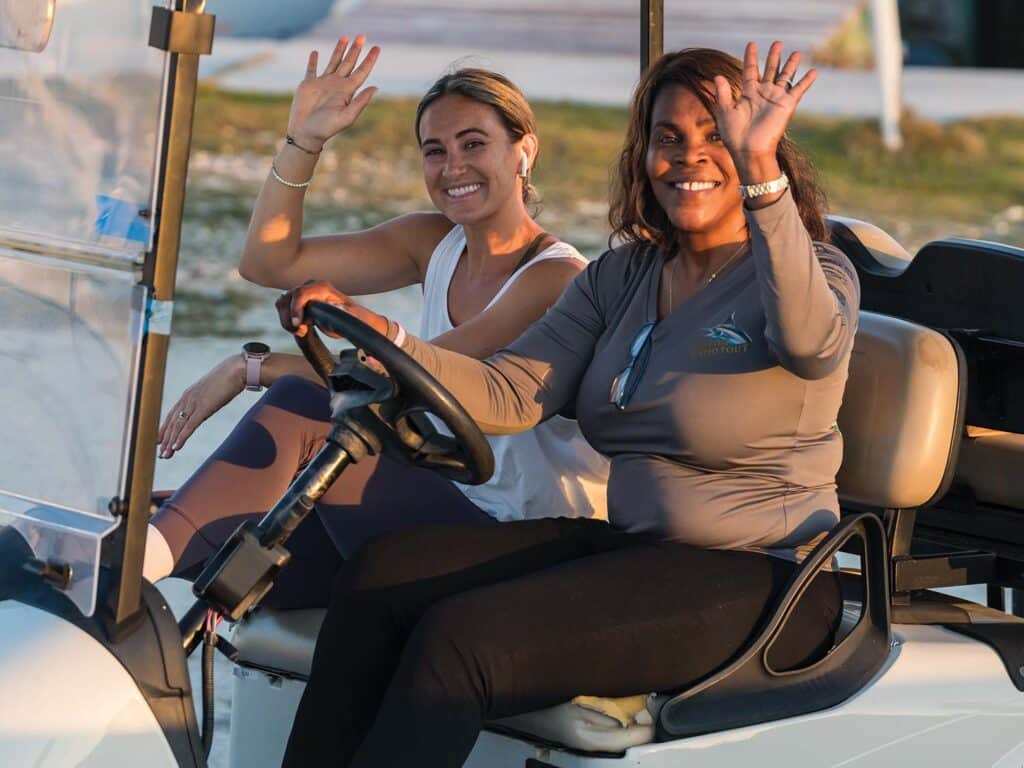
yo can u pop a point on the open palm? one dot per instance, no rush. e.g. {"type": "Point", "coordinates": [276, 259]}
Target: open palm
{"type": "Point", "coordinates": [327, 104]}
{"type": "Point", "coordinates": [753, 123]}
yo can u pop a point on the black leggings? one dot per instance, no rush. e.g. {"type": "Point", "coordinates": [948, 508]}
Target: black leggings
{"type": "Point", "coordinates": [253, 467]}
{"type": "Point", "coordinates": [432, 631]}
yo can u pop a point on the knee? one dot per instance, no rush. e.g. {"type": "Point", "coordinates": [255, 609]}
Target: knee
{"type": "Point", "coordinates": [382, 579]}
{"type": "Point", "coordinates": [445, 651]}
{"type": "Point", "coordinates": [388, 560]}
{"type": "Point", "coordinates": [298, 395]}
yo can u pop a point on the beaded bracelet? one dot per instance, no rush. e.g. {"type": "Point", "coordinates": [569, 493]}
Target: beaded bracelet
{"type": "Point", "coordinates": [292, 184]}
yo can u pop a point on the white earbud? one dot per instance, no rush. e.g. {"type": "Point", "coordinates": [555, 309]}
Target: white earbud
{"type": "Point", "coordinates": [524, 165]}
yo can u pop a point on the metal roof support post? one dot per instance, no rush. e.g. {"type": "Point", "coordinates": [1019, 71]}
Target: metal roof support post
{"type": "Point", "coordinates": [652, 32]}
{"type": "Point", "coordinates": [186, 33]}
{"type": "Point", "coordinates": [885, 25]}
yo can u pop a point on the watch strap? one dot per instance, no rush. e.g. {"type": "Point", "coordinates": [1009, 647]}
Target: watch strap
{"type": "Point", "coordinates": [253, 367]}
{"type": "Point", "coordinates": [748, 191]}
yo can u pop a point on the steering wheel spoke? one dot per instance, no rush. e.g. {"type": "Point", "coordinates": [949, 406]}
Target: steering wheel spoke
{"type": "Point", "coordinates": [354, 384]}
{"type": "Point", "coordinates": [394, 402]}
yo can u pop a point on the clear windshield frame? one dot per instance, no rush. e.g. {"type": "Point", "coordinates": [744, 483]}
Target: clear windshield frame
{"type": "Point", "coordinates": [82, 123]}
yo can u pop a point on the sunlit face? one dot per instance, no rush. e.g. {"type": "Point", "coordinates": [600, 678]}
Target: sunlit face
{"type": "Point", "coordinates": [470, 163]}
{"type": "Point", "coordinates": [690, 169]}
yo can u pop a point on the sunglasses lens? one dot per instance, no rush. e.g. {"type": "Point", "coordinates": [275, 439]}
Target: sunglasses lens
{"type": "Point", "coordinates": [640, 340]}
{"type": "Point", "coordinates": [619, 385]}
{"type": "Point", "coordinates": [625, 383]}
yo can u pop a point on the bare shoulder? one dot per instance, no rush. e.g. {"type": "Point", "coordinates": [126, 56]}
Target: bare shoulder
{"type": "Point", "coordinates": [546, 280]}
{"type": "Point", "coordinates": [419, 233]}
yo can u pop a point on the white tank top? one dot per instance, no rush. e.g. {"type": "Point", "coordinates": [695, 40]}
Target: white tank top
{"type": "Point", "coordinates": [548, 471]}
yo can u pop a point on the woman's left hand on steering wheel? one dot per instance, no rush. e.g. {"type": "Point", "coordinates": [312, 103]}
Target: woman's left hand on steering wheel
{"type": "Point", "coordinates": [291, 307]}
{"type": "Point", "coordinates": [753, 124]}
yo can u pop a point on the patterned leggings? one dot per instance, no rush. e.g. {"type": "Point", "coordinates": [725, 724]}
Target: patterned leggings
{"type": "Point", "coordinates": [253, 467]}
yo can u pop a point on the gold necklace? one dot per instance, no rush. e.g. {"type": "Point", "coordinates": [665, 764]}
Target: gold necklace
{"type": "Point", "coordinates": [706, 283]}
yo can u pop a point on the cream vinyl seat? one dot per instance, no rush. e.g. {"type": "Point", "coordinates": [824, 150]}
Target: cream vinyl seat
{"type": "Point", "coordinates": [901, 423]}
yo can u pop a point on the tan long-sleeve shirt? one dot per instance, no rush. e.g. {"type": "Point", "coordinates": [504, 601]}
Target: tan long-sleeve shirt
{"type": "Point", "coordinates": [730, 438]}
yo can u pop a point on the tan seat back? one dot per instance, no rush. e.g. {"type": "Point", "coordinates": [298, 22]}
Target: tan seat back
{"type": "Point", "coordinates": [902, 414]}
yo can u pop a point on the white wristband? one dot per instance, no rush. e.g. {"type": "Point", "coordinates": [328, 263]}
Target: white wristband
{"type": "Point", "coordinates": [400, 335]}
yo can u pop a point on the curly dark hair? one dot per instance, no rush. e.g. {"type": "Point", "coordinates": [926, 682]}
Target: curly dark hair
{"type": "Point", "coordinates": [634, 212]}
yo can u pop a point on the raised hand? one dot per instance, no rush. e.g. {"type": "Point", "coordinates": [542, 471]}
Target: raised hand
{"type": "Point", "coordinates": [327, 104]}
{"type": "Point", "coordinates": [753, 124]}
{"type": "Point", "coordinates": [291, 307]}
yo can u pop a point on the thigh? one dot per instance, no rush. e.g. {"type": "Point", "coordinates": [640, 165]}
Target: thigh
{"type": "Point", "coordinates": [379, 495]}
{"type": "Point", "coordinates": [382, 593]}
{"type": "Point", "coordinates": [440, 560]}
{"type": "Point", "coordinates": [644, 618]}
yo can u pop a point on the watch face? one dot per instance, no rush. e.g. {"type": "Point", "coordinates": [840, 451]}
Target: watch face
{"type": "Point", "coordinates": [255, 348]}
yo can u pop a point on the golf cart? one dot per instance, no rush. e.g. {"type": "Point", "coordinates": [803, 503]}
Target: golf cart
{"type": "Point", "coordinates": [93, 664]}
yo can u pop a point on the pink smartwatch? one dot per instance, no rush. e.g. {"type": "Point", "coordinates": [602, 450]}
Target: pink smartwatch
{"type": "Point", "coordinates": [254, 353]}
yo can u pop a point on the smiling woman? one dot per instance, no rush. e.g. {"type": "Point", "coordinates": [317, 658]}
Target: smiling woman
{"type": "Point", "coordinates": [637, 215]}
{"type": "Point", "coordinates": [487, 269]}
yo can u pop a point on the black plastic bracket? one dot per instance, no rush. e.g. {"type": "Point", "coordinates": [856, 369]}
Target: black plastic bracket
{"type": "Point", "coordinates": [947, 569]}
{"type": "Point", "coordinates": [749, 690]}
{"type": "Point", "coordinates": [240, 573]}
{"type": "Point", "coordinates": [181, 31]}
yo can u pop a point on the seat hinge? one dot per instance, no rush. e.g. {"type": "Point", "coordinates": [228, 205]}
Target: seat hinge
{"type": "Point", "coordinates": [181, 31]}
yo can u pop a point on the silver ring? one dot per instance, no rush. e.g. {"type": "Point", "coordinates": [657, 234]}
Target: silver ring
{"type": "Point", "coordinates": [182, 415]}
{"type": "Point", "coordinates": [787, 81]}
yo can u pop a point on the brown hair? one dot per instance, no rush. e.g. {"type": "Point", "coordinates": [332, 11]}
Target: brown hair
{"type": "Point", "coordinates": [634, 213]}
{"type": "Point", "coordinates": [497, 92]}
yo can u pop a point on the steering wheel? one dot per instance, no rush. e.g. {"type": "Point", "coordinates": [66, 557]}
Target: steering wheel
{"type": "Point", "coordinates": [398, 417]}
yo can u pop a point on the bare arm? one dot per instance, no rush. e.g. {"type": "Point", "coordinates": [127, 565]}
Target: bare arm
{"type": "Point", "coordinates": [389, 256]}
{"type": "Point", "coordinates": [275, 254]}
{"type": "Point", "coordinates": [218, 388]}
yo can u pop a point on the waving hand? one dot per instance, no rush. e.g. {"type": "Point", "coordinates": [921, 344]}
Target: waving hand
{"type": "Point", "coordinates": [753, 124]}
{"type": "Point", "coordinates": [327, 104]}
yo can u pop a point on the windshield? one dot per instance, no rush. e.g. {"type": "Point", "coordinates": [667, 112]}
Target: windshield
{"type": "Point", "coordinates": [80, 127]}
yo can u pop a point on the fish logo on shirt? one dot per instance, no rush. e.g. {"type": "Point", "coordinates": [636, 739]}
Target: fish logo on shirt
{"type": "Point", "coordinates": [722, 339]}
